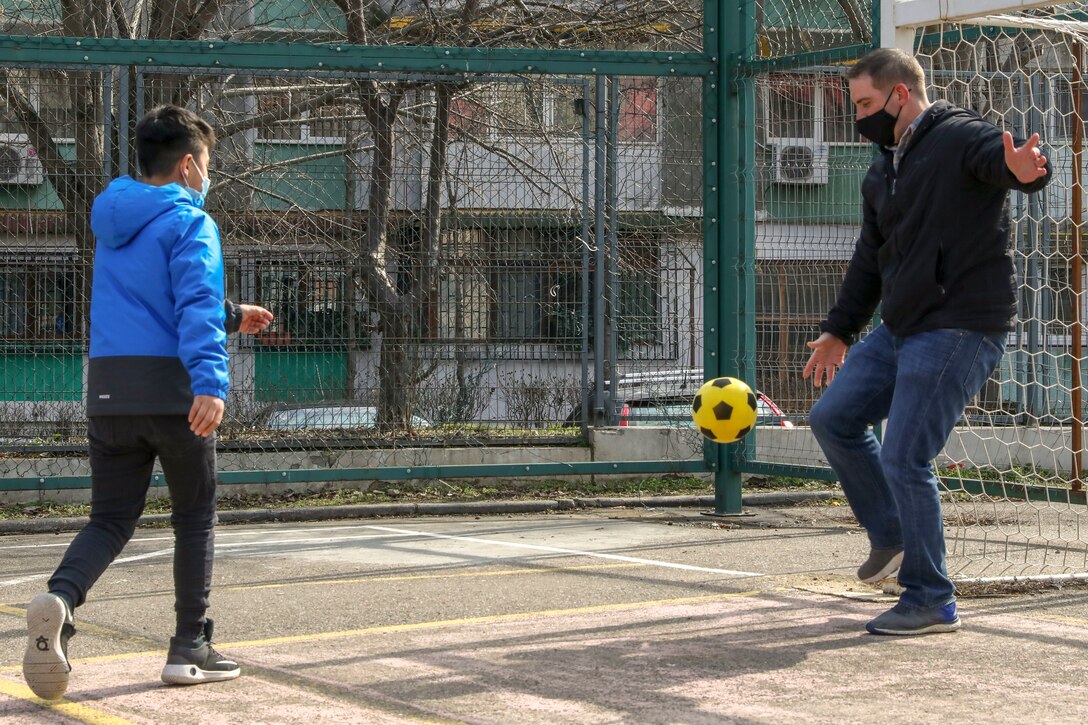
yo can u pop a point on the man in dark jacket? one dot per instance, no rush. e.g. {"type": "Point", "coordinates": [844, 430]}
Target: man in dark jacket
{"type": "Point", "coordinates": [933, 251]}
{"type": "Point", "coordinates": [156, 385]}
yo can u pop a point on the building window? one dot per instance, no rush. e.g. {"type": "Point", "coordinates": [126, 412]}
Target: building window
{"type": "Point", "coordinates": [296, 121]}
{"type": "Point", "coordinates": [49, 94]}
{"type": "Point", "coordinates": [525, 285]}
{"type": "Point", "coordinates": [638, 120]}
{"type": "Point", "coordinates": [806, 106]}
{"type": "Point", "coordinates": [312, 303]}
{"type": "Point", "coordinates": [496, 111]}
{"type": "Point", "coordinates": [37, 299]}
{"type": "Point", "coordinates": [469, 119]}
{"type": "Point", "coordinates": [1060, 116]}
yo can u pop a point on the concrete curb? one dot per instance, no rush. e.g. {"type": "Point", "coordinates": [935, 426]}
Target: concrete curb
{"type": "Point", "coordinates": [435, 508]}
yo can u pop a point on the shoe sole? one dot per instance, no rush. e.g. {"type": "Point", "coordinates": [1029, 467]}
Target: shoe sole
{"type": "Point", "coordinates": [890, 568]}
{"type": "Point", "coordinates": [193, 675]}
{"type": "Point", "coordinates": [931, 629]}
{"type": "Point", "coordinates": [45, 666]}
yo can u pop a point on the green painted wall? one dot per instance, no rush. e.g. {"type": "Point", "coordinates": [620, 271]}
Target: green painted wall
{"type": "Point", "coordinates": [299, 15]}
{"type": "Point", "coordinates": [316, 184]}
{"type": "Point", "coordinates": [300, 377]}
{"type": "Point", "coordinates": [41, 376]}
{"type": "Point", "coordinates": [836, 202]}
{"type": "Point", "coordinates": [40, 197]}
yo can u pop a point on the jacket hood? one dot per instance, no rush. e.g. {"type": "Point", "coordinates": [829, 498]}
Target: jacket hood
{"type": "Point", "coordinates": [122, 211]}
{"type": "Point", "coordinates": [939, 112]}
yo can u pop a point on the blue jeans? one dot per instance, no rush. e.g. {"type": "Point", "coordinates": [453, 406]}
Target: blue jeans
{"type": "Point", "coordinates": [921, 385]}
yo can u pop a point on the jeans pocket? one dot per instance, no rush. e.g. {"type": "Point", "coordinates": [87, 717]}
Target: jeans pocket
{"type": "Point", "coordinates": [989, 349]}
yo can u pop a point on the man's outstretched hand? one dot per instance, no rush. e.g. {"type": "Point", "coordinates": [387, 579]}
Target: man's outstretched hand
{"type": "Point", "coordinates": [1026, 163]}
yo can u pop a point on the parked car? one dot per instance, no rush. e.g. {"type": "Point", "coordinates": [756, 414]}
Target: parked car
{"type": "Point", "coordinates": [325, 417]}
{"type": "Point", "coordinates": [663, 398]}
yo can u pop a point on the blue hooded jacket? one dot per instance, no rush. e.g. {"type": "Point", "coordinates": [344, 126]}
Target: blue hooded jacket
{"type": "Point", "coordinates": [158, 314]}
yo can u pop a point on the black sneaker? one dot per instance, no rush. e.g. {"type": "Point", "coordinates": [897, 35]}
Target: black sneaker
{"type": "Point", "coordinates": [191, 662]}
{"type": "Point", "coordinates": [45, 664]}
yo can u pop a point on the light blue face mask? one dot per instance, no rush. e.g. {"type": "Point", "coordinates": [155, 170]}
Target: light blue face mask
{"type": "Point", "coordinates": [205, 185]}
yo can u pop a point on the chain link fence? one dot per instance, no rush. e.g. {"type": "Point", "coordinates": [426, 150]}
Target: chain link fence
{"type": "Point", "coordinates": [1014, 464]}
{"type": "Point", "coordinates": [453, 259]}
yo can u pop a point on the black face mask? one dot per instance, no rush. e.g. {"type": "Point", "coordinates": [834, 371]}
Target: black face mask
{"type": "Point", "coordinates": [880, 126]}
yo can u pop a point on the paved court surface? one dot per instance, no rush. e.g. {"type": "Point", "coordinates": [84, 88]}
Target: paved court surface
{"type": "Point", "coordinates": [607, 617]}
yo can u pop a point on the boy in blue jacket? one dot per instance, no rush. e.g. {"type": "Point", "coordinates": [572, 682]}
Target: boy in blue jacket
{"type": "Point", "coordinates": [156, 386]}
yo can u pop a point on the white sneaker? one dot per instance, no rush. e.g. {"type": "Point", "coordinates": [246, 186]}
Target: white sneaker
{"type": "Point", "coordinates": [45, 664]}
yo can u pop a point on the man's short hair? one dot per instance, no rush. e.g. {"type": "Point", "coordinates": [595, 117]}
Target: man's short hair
{"type": "Point", "coordinates": [888, 67]}
{"type": "Point", "coordinates": [167, 133]}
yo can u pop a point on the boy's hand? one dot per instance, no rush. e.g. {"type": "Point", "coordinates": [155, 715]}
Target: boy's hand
{"type": "Point", "coordinates": [205, 415]}
{"type": "Point", "coordinates": [254, 319]}
{"type": "Point", "coordinates": [1026, 163]}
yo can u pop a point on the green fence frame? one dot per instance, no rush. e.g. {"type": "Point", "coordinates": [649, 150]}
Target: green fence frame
{"type": "Point", "coordinates": [727, 74]}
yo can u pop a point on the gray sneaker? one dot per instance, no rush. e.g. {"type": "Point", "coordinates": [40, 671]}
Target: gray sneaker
{"type": "Point", "coordinates": [906, 621]}
{"type": "Point", "coordinates": [45, 664]}
{"type": "Point", "coordinates": [881, 564]}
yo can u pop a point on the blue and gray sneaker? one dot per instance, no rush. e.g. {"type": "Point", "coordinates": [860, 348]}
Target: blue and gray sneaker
{"type": "Point", "coordinates": [900, 620]}
{"type": "Point", "coordinates": [45, 664]}
{"type": "Point", "coordinates": [192, 662]}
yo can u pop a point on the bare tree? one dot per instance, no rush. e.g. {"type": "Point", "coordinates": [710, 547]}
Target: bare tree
{"type": "Point", "coordinates": [398, 295]}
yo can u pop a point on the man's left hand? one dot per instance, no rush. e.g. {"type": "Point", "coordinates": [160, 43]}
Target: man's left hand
{"type": "Point", "coordinates": [254, 319]}
{"type": "Point", "coordinates": [1026, 163]}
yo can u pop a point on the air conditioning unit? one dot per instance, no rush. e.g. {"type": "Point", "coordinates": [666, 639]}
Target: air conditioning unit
{"type": "Point", "coordinates": [799, 161]}
{"type": "Point", "coordinates": [19, 162]}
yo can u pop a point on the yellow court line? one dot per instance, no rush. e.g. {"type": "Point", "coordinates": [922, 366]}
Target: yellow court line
{"type": "Point", "coordinates": [407, 577]}
{"type": "Point", "coordinates": [74, 710]}
{"type": "Point", "coordinates": [88, 628]}
{"type": "Point", "coordinates": [490, 619]}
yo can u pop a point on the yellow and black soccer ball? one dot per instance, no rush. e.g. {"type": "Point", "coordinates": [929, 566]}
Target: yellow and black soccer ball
{"type": "Point", "coordinates": [724, 409]}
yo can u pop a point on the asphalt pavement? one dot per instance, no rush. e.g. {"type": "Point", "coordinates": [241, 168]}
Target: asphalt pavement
{"type": "Point", "coordinates": [640, 615]}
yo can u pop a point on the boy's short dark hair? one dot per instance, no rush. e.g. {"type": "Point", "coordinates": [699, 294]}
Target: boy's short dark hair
{"type": "Point", "coordinates": [167, 133]}
{"type": "Point", "coordinates": [888, 67]}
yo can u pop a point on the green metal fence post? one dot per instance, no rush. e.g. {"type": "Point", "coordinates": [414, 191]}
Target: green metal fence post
{"type": "Point", "coordinates": [728, 224]}
{"type": "Point", "coordinates": [742, 86]}
{"type": "Point", "coordinates": [712, 225]}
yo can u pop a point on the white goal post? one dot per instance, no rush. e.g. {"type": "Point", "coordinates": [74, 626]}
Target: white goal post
{"type": "Point", "coordinates": [899, 19]}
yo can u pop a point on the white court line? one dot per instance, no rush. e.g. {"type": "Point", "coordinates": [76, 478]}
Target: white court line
{"type": "Point", "coordinates": [219, 534]}
{"type": "Point", "coordinates": [37, 577]}
{"type": "Point", "coordinates": [575, 552]}
{"type": "Point", "coordinates": [409, 532]}
{"type": "Point", "coordinates": [228, 545]}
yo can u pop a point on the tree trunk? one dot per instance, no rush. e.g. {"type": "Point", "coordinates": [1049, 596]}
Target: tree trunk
{"type": "Point", "coordinates": [379, 268]}
{"type": "Point", "coordinates": [431, 243]}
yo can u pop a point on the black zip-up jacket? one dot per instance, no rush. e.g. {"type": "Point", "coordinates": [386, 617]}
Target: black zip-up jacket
{"type": "Point", "coordinates": [934, 239]}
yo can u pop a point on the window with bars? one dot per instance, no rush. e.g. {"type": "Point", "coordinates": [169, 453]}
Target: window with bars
{"type": "Point", "coordinates": [327, 123]}
{"type": "Point", "coordinates": [493, 111]}
{"type": "Point", "coordinates": [313, 305]}
{"type": "Point", "coordinates": [38, 299]}
{"type": "Point", "coordinates": [48, 92]}
{"type": "Point", "coordinates": [809, 106]}
{"type": "Point", "coordinates": [525, 285]}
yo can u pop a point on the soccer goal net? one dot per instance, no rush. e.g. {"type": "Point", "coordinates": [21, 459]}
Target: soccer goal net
{"type": "Point", "coordinates": [1016, 464]}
